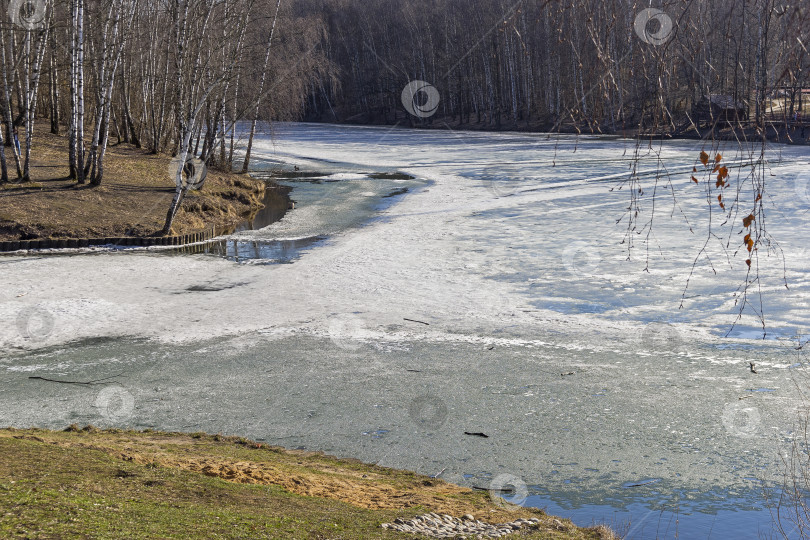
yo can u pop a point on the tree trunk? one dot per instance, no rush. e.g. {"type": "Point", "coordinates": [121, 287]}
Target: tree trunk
{"type": "Point", "coordinates": [7, 105]}
{"type": "Point", "coordinates": [54, 87]}
{"type": "Point", "coordinates": [31, 88]}
{"type": "Point", "coordinates": [3, 167]}
{"type": "Point", "coordinates": [255, 119]}
{"type": "Point", "coordinates": [80, 90]}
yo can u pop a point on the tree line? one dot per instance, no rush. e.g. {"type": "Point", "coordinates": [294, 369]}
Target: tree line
{"type": "Point", "coordinates": [176, 76]}
{"type": "Point", "coordinates": [598, 65]}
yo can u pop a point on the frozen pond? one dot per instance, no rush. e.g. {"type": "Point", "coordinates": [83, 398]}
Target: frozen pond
{"type": "Point", "coordinates": [494, 297]}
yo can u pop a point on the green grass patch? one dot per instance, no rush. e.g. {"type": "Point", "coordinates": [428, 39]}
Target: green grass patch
{"type": "Point", "coordinates": [116, 484]}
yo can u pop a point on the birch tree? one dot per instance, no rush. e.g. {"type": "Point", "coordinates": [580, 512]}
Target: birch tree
{"type": "Point", "coordinates": [26, 39]}
{"type": "Point", "coordinates": [195, 78]}
{"type": "Point", "coordinates": [263, 81]}
{"type": "Point", "coordinates": [34, 45]}
{"type": "Point", "coordinates": [76, 130]}
{"type": "Point", "coordinates": [3, 166]}
{"type": "Point", "coordinates": [111, 45]}
{"type": "Point", "coordinates": [7, 93]}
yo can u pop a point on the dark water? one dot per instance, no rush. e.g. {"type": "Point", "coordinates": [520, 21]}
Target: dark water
{"type": "Point", "coordinates": [323, 203]}
{"type": "Point", "coordinates": [653, 518]}
{"type": "Point", "coordinates": [267, 251]}
{"type": "Point", "coordinates": [356, 400]}
{"type": "Point", "coordinates": [276, 200]}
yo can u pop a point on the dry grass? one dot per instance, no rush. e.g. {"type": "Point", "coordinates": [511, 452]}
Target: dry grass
{"type": "Point", "coordinates": [126, 484]}
{"type": "Point", "coordinates": [132, 200]}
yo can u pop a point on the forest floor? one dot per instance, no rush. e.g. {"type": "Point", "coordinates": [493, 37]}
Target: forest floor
{"type": "Point", "coordinates": [133, 199]}
{"type": "Point", "coordinates": [92, 483]}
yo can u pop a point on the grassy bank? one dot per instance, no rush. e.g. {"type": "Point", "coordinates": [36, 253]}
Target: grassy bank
{"type": "Point", "coordinates": [87, 483]}
{"type": "Point", "coordinates": [132, 200]}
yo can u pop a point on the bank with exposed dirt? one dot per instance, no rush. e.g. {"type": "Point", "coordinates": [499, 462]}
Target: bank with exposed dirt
{"type": "Point", "coordinates": [131, 202]}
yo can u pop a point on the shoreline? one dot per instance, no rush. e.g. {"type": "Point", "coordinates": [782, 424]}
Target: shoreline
{"type": "Point", "coordinates": [61, 245]}
{"type": "Point", "coordinates": [157, 467]}
{"type": "Point", "coordinates": [773, 135]}
{"type": "Point", "coordinates": [128, 209]}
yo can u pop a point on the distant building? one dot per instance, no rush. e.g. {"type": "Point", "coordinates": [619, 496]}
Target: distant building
{"type": "Point", "coordinates": [788, 91]}
{"type": "Point", "coordinates": [719, 108]}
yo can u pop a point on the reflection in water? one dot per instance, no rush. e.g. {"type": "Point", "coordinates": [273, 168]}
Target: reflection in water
{"type": "Point", "coordinates": [240, 250]}
{"type": "Point", "coordinates": [276, 202]}
{"type": "Point", "coordinates": [270, 251]}
{"type": "Point", "coordinates": [266, 250]}
{"type": "Point", "coordinates": [326, 203]}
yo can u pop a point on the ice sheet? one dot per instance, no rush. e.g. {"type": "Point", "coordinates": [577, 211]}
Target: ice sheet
{"type": "Point", "coordinates": [510, 246]}
{"type": "Point", "coordinates": [514, 231]}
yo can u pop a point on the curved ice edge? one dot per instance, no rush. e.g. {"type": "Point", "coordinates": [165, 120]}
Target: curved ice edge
{"type": "Point", "coordinates": [387, 201]}
{"type": "Point", "coordinates": [242, 236]}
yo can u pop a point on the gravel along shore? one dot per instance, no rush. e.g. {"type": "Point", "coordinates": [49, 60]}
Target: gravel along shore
{"type": "Point", "coordinates": [444, 526]}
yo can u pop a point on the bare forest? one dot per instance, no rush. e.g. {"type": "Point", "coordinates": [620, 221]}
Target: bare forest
{"type": "Point", "coordinates": [593, 65]}
{"type": "Point", "coordinates": [168, 77]}
{"type": "Point", "coordinates": [176, 77]}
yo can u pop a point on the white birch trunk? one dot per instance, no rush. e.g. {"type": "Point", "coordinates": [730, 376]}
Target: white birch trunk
{"type": "Point", "coordinates": [32, 87]}
{"type": "Point", "coordinates": [79, 126]}
{"type": "Point", "coordinates": [7, 103]}
{"type": "Point", "coordinates": [255, 118]}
